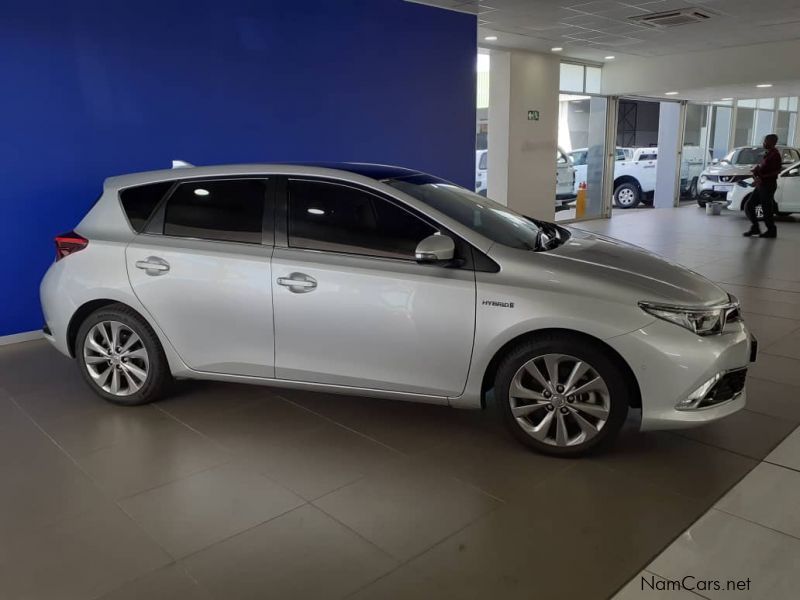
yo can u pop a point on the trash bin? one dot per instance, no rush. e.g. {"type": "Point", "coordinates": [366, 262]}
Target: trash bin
{"type": "Point", "coordinates": [714, 208]}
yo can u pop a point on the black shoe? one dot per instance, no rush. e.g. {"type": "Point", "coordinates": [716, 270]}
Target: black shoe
{"type": "Point", "coordinates": [752, 231]}
{"type": "Point", "coordinates": [769, 233]}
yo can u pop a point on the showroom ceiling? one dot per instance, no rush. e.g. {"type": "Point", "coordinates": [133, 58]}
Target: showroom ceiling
{"type": "Point", "coordinates": [596, 29]}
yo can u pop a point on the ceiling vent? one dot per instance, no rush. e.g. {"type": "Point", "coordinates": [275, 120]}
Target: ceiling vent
{"type": "Point", "coordinates": [673, 18]}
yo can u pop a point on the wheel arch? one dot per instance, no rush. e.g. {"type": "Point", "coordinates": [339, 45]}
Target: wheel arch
{"type": "Point", "coordinates": [627, 179]}
{"type": "Point", "coordinates": [86, 309]}
{"type": "Point", "coordinates": [491, 368]}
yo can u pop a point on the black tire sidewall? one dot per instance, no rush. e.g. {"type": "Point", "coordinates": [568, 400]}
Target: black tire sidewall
{"type": "Point", "coordinates": [632, 186]}
{"type": "Point", "coordinates": [581, 348]}
{"type": "Point", "coordinates": [158, 374]}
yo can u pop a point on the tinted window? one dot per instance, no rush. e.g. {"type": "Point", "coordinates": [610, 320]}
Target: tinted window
{"type": "Point", "coordinates": [578, 158]}
{"type": "Point", "coordinates": [338, 218]}
{"type": "Point", "coordinates": [228, 210]}
{"type": "Point", "coordinates": [490, 219]}
{"type": "Point", "coordinates": [139, 202]}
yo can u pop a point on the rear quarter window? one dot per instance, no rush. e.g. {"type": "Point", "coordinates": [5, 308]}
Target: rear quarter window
{"type": "Point", "coordinates": [139, 202]}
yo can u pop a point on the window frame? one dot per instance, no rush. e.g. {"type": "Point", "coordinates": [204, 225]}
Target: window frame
{"type": "Point", "coordinates": [470, 257]}
{"type": "Point", "coordinates": [155, 225]}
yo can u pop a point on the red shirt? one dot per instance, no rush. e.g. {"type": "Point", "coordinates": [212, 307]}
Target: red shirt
{"type": "Point", "coordinates": [770, 166]}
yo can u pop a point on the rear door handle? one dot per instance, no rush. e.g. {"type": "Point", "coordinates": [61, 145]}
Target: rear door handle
{"type": "Point", "coordinates": [153, 265]}
{"type": "Point", "coordinates": [298, 283]}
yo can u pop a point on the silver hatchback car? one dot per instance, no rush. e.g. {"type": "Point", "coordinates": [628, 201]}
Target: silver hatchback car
{"type": "Point", "coordinates": [387, 282]}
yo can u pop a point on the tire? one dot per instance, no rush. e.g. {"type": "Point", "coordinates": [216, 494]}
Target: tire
{"type": "Point", "coordinates": [142, 371]}
{"type": "Point", "coordinates": [693, 192]}
{"type": "Point", "coordinates": [608, 399]}
{"type": "Point", "coordinates": [627, 195]}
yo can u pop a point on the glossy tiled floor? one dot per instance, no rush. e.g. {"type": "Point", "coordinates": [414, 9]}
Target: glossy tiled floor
{"type": "Point", "coordinates": [231, 492]}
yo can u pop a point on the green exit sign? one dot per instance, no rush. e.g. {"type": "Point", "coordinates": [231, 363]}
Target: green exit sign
{"type": "Point", "coordinates": [533, 115]}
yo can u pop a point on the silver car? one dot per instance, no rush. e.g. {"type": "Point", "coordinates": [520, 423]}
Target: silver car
{"type": "Point", "coordinates": [391, 283]}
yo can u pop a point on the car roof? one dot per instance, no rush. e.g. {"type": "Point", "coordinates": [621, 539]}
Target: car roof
{"type": "Point", "coordinates": [372, 171]}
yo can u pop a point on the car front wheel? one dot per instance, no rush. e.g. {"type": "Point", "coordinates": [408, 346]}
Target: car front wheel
{"type": "Point", "coordinates": [627, 195]}
{"type": "Point", "coordinates": [562, 395]}
{"type": "Point", "coordinates": [120, 356]}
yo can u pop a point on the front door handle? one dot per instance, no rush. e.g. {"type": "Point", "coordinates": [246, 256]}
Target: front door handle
{"type": "Point", "coordinates": [153, 265]}
{"type": "Point", "coordinates": [298, 283]}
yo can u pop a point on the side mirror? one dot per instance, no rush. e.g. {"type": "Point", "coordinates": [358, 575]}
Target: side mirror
{"type": "Point", "coordinates": [435, 249]}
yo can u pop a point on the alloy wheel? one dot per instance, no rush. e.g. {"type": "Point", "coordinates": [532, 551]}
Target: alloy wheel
{"type": "Point", "coordinates": [559, 400]}
{"type": "Point", "coordinates": [116, 358]}
{"type": "Point", "coordinates": [626, 197]}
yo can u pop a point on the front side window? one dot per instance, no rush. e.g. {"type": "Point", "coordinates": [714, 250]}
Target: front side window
{"type": "Point", "coordinates": [227, 210]}
{"type": "Point", "coordinates": [338, 218]}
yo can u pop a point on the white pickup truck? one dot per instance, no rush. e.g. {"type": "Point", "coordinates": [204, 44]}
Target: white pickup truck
{"type": "Point", "coordinates": [635, 172]}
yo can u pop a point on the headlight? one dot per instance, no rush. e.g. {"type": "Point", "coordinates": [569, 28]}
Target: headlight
{"type": "Point", "coordinates": [746, 183]}
{"type": "Point", "coordinates": [703, 178]}
{"type": "Point", "coordinates": [702, 321]}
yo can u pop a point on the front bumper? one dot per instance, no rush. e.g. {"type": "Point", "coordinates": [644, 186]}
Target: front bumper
{"type": "Point", "coordinates": [714, 190]}
{"type": "Point", "coordinates": [670, 363]}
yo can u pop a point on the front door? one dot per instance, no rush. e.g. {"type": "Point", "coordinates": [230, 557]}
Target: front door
{"type": "Point", "coordinates": [353, 308]}
{"type": "Point", "coordinates": [788, 194]}
{"type": "Point", "coordinates": [204, 275]}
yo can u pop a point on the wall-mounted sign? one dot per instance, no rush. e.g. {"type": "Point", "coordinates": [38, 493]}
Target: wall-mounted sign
{"type": "Point", "coordinates": [533, 115]}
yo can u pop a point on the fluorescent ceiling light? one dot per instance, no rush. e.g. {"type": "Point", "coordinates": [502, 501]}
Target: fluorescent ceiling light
{"type": "Point", "coordinates": [316, 211]}
{"type": "Point", "coordinates": [610, 57]}
{"type": "Point", "coordinates": [201, 192]}
{"type": "Point", "coordinates": [556, 49]}
{"type": "Point", "coordinates": [671, 93]}
{"type": "Point", "coordinates": [764, 85]}
{"type": "Point", "coordinates": [491, 38]}
{"type": "Point", "coordinates": [725, 99]}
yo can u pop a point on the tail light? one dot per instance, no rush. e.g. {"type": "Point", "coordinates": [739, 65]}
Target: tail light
{"type": "Point", "coordinates": [69, 243]}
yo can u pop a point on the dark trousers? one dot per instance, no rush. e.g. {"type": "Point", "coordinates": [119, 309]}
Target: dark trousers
{"type": "Point", "coordinates": [763, 195]}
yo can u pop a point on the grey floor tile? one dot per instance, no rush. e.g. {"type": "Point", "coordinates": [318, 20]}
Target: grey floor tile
{"type": "Point", "coordinates": [745, 432]}
{"type": "Point", "coordinates": [777, 368]}
{"type": "Point", "coordinates": [580, 538]}
{"type": "Point", "coordinates": [78, 558]}
{"type": "Point", "coordinates": [648, 586]}
{"type": "Point", "coordinates": [11, 416]}
{"type": "Point", "coordinates": [55, 401]}
{"type": "Point", "coordinates": [163, 454]}
{"type": "Point", "coordinates": [302, 554]}
{"type": "Point", "coordinates": [768, 329]}
{"type": "Point", "coordinates": [32, 366]}
{"type": "Point", "coordinates": [769, 495]}
{"type": "Point", "coordinates": [403, 583]}
{"type": "Point", "coordinates": [726, 548]}
{"type": "Point", "coordinates": [197, 511]}
{"type": "Point", "coordinates": [86, 432]}
{"type": "Point", "coordinates": [787, 453]}
{"type": "Point", "coordinates": [676, 464]}
{"type": "Point", "coordinates": [169, 583]}
{"type": "Point", "coordinates": [788, 346]}
{"type": "Point", "coordinates": [385, 507]}
{"type": "Point", "coordinates": [774, 399]}
{"type": "Point", "coordinates": [315, 463]}
{"type": "Point", "coordinates": [190, 400]}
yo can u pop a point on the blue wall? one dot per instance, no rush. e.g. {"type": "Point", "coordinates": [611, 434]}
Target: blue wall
{"type": "Point", "coordinates": [94, 89]}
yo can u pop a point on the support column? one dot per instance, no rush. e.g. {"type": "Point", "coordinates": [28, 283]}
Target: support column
{"type": "Point", "coordinates": [670, 133]}
{"type": "Point", "coordinates": [522, 148]}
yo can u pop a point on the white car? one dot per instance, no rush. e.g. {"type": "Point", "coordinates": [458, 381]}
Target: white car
{"type": "Point", "coordinates": [565, 179]}
{"type": "Point", "coordinates": [386, 282]}
{"type": "Point", "coordinates": [787, 196]}
{"type": "Point", "coordinates": [481, 171]}
{"type": "Point", "coordinates": [634, 178]}
{"type": "Point", "coordinates": [719, 179]}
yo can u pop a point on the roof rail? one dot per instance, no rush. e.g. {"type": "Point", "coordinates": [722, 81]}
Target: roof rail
{"type": "Point", "coordinates": [181, 164]}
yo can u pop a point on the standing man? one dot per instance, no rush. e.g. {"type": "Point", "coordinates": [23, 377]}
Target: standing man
{"type": "Point", "coordinates": [766, 181]}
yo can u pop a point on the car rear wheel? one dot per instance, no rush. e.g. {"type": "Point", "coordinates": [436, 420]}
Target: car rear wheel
{"type": "Point", "coordinates": [562, 395]}
{"type": "Point", "coordinates": [120, 356]}
{"type": "Point", "coordinates": [627, 195]}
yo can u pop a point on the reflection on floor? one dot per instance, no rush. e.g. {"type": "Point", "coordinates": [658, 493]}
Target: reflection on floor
{"type": "Point", "coordinates": [567, 213]}
{"type": "Point", "coordinates": [226, 491]}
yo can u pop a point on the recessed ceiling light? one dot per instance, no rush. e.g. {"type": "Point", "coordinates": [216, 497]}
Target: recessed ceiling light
{"type": "Point", "coordinates": [201, 192]}
{"type": "Point", "coordinates": [671, 93]}
{"type": "Point", "coordinates": [491, 38]}
{"type": "Point", "coordinates": [556, 49]}
{"type": "Point", "coordinates": [610, 57]}
{"type": "Point", "coordinates": [764, 85]}
{"type": "Point", "coordinates": [316, 211]}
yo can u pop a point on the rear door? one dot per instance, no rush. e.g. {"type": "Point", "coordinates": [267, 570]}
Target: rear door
{"type": "Point", "coordinates": [201, 268]}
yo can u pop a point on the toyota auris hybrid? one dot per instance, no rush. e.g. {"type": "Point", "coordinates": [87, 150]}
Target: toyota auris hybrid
{"type": "Point", "coordinates": [391, 283]}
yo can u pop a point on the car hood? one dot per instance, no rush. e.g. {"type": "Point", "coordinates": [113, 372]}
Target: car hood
{"type": "Point", "coordinates": [729, 170]}
{"type": "Point", "coordinates": [611, 262]}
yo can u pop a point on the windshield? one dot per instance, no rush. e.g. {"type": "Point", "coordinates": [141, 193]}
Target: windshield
{"type": "Point", "coordinates": [490, 219]}
{"type": "Point", "coordinates": [745, 156]}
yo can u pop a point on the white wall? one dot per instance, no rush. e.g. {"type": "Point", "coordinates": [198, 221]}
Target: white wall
{"type": "Point", "coordinates": [771, 62]}
{"type": "Point", "coordinates": [522, 167]}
